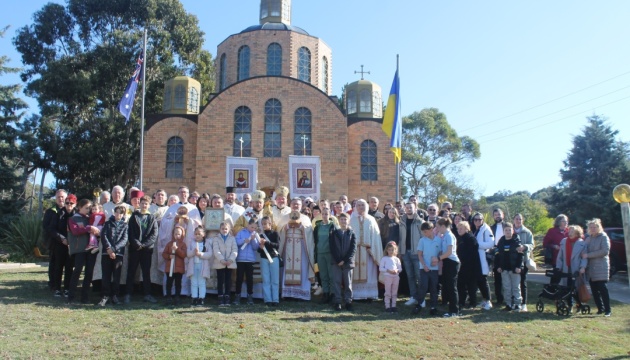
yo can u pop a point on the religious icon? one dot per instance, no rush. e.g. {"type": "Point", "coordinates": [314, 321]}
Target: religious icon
{"type": "Point", "coordinates": [240, 178]}
{"type": "Point", "coordinates": [213, 218]}
{"type": "Point", "coordinates": [305, 178]}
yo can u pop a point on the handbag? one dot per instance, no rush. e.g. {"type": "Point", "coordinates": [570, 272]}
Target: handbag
{"type": "Point", "coordinates": [531, 264]}
{"type": "Point", "coordinates": [584, 292]}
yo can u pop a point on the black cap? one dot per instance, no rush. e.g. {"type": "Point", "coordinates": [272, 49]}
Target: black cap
{"type": "Point", "coordinates": [229, 189]}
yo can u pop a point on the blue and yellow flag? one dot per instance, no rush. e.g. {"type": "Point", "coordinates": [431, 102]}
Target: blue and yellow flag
{"type": "Point", "coordinates": [391, 121]}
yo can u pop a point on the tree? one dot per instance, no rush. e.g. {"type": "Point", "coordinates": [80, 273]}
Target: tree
{"type": "Point", "coordinates": [594, 166]}
{"type": "Point", "coordinates": [78, 59]}
{"type": "Point", "coordinates": [11, 163]}
{"type": "Point", "coordinates": [432, 156]}
{"type": "Point", "coordinates": [521, 202]}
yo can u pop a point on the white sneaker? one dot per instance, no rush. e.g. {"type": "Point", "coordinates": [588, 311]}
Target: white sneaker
{"type": "Point", "coordinates": [103, 301]}
{"type": "Point", "coordinates": [319, 291]}
{"type": "Point", "coordinates": [524, 308]}
{"type": "Point", "coordinates": [411, 302]}
{"type": "Point", "coordinates": [424, 304]}
{"type": "Point", "coordinates": [486, 305]}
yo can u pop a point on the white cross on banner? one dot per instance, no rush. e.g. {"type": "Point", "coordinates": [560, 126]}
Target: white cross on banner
{"type": "Point", "coordinates": [304, 176]}
{"type": "Point", "coordinates": [242, 174]}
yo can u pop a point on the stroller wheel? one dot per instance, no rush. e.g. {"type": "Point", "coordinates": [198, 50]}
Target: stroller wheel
{"type": "Point", "coordinates": [563, 309]}
{"type": "Point", "coordinates": [540, 306]}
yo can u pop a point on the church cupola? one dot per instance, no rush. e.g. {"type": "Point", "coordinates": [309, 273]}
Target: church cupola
{"type": "Point", "coordinates": [181, 96]}
{"type": "Point", "coordinates": [275, 11]}
{"type": "Point", "coordinates": [363, 99]}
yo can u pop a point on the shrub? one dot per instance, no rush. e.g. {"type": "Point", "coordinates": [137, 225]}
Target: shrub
{"type": "Point", "coordinates": [22, 235]}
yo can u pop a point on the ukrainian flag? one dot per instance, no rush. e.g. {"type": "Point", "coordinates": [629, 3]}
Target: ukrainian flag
{"type": "Point", "coordinates": [391, 121]}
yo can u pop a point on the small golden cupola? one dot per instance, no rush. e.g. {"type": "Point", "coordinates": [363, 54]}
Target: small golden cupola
{"type": "Point", "coordinates": [182, 95]}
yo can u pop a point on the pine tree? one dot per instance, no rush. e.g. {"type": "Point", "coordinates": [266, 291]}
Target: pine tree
{"type": "Point", "coordinates": [595, 165]}
{"type": "Point", "coordinates": [11, 163]}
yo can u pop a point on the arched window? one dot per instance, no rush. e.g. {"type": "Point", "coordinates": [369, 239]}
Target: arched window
{"type": "Point", "coordinates": [180, 97]}
{"type": "Point", "coordinates": [352, 102]}
{"type": "Point", "coordinates": [368, 160]}
{"type": "Point", "coordinates": [377, 104]}
{"type": "Point", "coordinates": [325, 75]}
{"type": "Point", "coordinates": [243, 63]}
{"type": "Point", "coordinates": [273, 127]}
{"type": "Point", "coordinates": [242, 130]}
{"type": "Point", "coordinates": [223, 73]}
{"type": "Point", "coordinates": [167, 99]}
{"type": "Point", "coordinates": [193, 100]}
{"type": "Point", "coordinates": [304, 64]}
{"type": "Point", "coordinates": [274, 59]}
{"type": "Point", "coordinates": [175, 158]}
{"type": "Point", "coordinates": [302, 134]}
{"type": "Point", "coordinates": [365, 101]}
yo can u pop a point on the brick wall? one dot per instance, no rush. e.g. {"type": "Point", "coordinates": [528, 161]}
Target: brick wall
{"type": "Point", "coordinates": [385, 187]}
{"type": "Point", "coordinates": [290, 41]}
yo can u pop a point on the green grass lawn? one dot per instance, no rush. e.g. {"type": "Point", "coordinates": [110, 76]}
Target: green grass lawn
{"type": "Point", "coordinates": [37, 325]}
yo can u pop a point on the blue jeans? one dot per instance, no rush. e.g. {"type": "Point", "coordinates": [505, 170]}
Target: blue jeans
{"type": "Point", "coordinates": [412, 268]}
{"type": "Point", "coordinates": [271, 279]}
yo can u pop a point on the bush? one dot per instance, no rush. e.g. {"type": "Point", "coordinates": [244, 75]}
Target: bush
{"type": "Point", "coordinates": [22, 235]}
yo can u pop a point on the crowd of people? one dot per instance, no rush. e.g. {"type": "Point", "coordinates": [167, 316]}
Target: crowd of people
{"type": "Point", "coordinates": [272, 248]}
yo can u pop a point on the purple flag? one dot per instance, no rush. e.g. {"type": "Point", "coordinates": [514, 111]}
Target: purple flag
{"type": "Point", "coordinates": [126, 103]}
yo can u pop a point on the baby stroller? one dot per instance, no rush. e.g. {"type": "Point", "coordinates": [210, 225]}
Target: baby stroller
{"type": "Point", "coordinates": [560, 294]}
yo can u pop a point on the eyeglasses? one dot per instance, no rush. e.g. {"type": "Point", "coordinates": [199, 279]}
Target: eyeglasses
{"type": "Point", "coordinates": [69, 203]}
{"type": "Point", "coordinates": [477, 219]}
{"type": "Point", "coordinates": [449, 209]}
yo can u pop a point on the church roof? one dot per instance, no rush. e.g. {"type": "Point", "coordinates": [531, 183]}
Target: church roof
{"type": "Point", "coordinates": [275, 26]}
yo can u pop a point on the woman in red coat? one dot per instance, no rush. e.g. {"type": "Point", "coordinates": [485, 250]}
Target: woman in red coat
{"type": "Point", "coordinates": [551, 241]}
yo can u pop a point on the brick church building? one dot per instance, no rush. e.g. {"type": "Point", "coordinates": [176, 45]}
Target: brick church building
{"type": "Point", "coordinates": [274, 84]}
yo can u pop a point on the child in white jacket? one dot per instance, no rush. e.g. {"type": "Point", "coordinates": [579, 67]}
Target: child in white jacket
{"type": "Point", "coordinates": [199, 254]}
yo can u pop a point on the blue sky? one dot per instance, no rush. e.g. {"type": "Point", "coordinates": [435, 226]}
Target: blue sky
{"type": "Point", "coordinates": [518, 76]}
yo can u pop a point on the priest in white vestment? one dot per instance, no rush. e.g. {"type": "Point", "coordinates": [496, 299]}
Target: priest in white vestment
{"type": "Point", "coordinates": [368, 255]}
{"type": "Point", "coordinates": [297, 248]}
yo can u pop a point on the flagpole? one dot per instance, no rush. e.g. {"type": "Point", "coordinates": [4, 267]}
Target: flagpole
{"type": "Point", "coordinates": [397, 197]}
{"type": "Point", "coordinates": [144, 78]}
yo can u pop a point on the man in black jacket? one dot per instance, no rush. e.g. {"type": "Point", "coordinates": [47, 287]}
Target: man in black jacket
{"type": "Point", "coordinates": [48, 225]}
{"type": "Point", "coordinates": [143, 232]}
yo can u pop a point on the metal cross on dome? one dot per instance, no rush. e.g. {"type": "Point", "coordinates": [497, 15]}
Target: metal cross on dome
{"type": "Point", "coordinates": [361, 72]}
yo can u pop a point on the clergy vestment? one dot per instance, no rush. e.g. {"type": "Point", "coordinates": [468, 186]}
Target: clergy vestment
{"type": "Point", "coordinates": [298, 251]}
{"type": "Point", "coordinates": [279, 216]}
{"type": "Point", "coordinates": [367, 258]}
{"type": "Point", "coordinates": [234, 210]}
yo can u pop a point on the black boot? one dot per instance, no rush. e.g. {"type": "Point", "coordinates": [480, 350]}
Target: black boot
{"type": "Point", "coordinates": [325, 298]}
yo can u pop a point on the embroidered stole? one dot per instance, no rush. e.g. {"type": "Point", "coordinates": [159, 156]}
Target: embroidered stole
{"type": "Point", "coordinates": [295, 246]}
{"type": "Point", "coordinates": [360, 273]}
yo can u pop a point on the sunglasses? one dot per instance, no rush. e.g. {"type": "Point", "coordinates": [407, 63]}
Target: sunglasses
{"type": "Point", "coordinates": [449, 209]}
{"type": "Point", "coordinates": [69, 203]}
